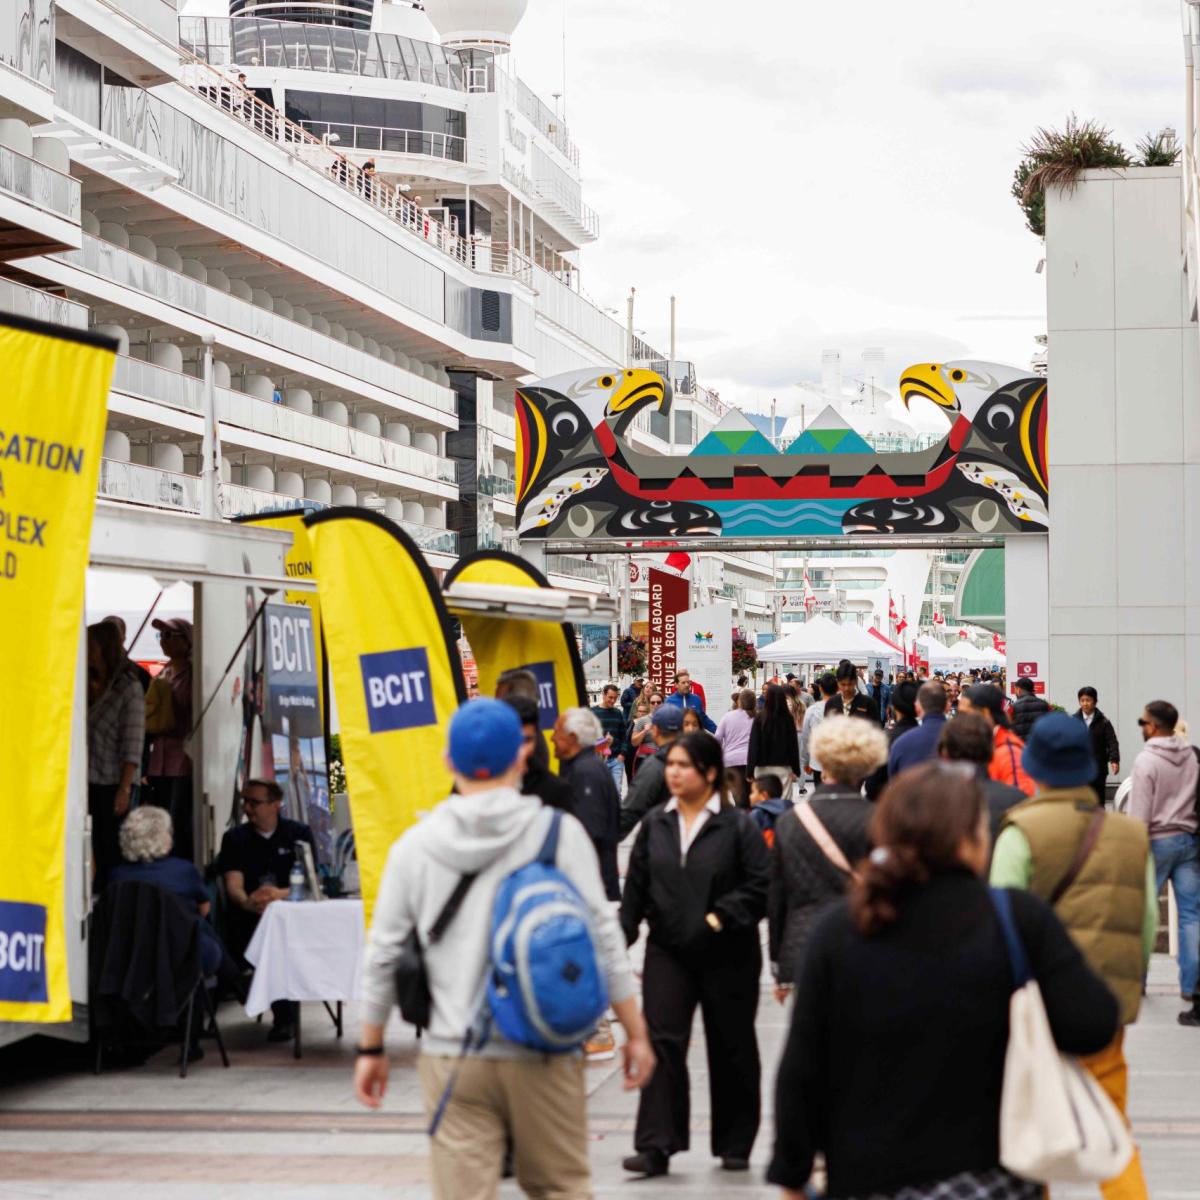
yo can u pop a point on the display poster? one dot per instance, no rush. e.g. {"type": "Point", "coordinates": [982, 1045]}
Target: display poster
{"type": "Point", "coordinates": [704, 646]}
{"type": "Point", "coordinates": [396, 676]}
{"type": "Point", "coordinates": [669, 596]}
{"type": "Point", "coordinates": [292, 720]}
{"type": "Point", "coordinates": [499, 644]}
{"type": "Point", "coordinates": [54, 387]}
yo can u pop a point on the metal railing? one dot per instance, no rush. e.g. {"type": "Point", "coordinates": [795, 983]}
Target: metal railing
{"type": "Point", "coordinates": [504, 424]}
{"type": "Point", "coordinates": [543, 118]}
{"type": "Point", "coordinates": [41, 306]}
{"type": "Point", "coordinates": [28, 179]}
{"type": "Point", "coordinates": [558, 190]}
{"type": "Point", "coordinates": [386, 140]}
{"type": "Point", "coordinates": [123, 267]}
{"type": "Point", "coordinates": [499, 486]}
{"type": "Point", "coordinates": [225, 41]}
{"type": "Point", "coordinates": [161, 17]}
{"type": "Point", "coordinates": [242, 411]}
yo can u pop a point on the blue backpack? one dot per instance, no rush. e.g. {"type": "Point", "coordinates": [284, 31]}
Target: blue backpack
{"type": "Point", "coordinates": [546, 989]}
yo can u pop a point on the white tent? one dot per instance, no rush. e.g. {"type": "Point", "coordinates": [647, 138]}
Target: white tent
{"type": "Point", "coordinates": [941, 657]}
{"type": "Point", "coordinates": [820, 640]}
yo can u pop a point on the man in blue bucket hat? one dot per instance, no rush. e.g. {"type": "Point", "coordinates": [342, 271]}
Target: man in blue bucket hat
{"type": "Point", "coordinates": [1094, 868]}
{"type": "Point", "coordinates": [501, 1091]}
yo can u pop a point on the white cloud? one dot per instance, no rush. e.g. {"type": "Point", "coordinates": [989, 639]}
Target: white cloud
{"type": "Point", "coordinates": [798, 174]}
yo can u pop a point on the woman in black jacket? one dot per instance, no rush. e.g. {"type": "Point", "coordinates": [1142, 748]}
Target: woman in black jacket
{"type": "Point", "coordinates": [804, 880]}
{"type": "Point", "coordinates": [895, 1060]}
{"type": "Point", "coordinates": [698, 877]}
{"type": "Point", "coordinates": [774, 745]}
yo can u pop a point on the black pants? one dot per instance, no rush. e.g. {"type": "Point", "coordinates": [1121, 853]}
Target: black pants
{"type": "Point", "coordinates": [816, 778]}
{"type": "Point", "coordinates": [174, 793]}
{"type": "Point", "coordinates": [106, 851]}
{"type": "Point", "coordinates": [727, 994]}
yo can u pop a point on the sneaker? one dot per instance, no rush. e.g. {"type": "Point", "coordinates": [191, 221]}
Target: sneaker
{"type": "Point", "coordinates": [648, 1163]}
{"type": "Point", "coordinates": [735, 1164]}
{"type": "Point", "coordinates": [1189, 1017]}
{"type": "Point", "coordinates": [281, 1033]}
{"type": "Point", "coordinates": [600, 1048]}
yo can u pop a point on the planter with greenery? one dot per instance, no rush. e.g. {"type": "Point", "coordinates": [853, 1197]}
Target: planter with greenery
{"type": "Point", "coordinates": [1055, 159]}
{"type": "Point", "coordinates": [631, 656]}
{"type": "Point", "coordinates": [745, 656]}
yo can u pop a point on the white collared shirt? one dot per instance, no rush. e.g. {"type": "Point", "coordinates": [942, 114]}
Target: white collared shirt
{"type": "Point", "coordinates": [688, 836]}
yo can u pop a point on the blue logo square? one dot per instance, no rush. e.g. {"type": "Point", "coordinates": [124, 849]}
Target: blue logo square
{"type": "Point", "coordinates": [22, 952]}
{"type": "Point", "coordinates": [543, 672]}
{"type": "Point", "coordinates": [397, 689]}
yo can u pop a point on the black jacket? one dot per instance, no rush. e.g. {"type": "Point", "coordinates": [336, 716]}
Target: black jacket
{"type": "Point", "coordinates": [877, 780]}
{"type": "Point", "coordinates": [1000, 798]}
{"type": "Point", "coordinates": [803, 881]}
{"type": "Point", "coordinates": [143, 956]}
{"type": "Point", "coordinates": [1025, 712]}
{"type": "Point", "coordinates": [648, 789]}
{"type": "Point", "coordinates": [1105, 747]}
{"type": "Point", "coordinates": [895, 1059]}
{"type": "Point", "coordinates": [540, 781]}
{"type": "Point", "coordinates": [597, 803]}
{"type": "Point", "coordinates": [860, 706]}
{"type": "Point", "coordinates": [776, 746]}
{"type": "Point", "coordinates": [725, 872]}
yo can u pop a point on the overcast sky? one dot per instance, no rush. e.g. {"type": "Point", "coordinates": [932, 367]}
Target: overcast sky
{"type": "Point", "coordinates": [834, 175]}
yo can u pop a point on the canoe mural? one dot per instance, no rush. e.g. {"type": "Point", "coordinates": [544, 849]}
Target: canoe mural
{"type": "Point", "coordinates": [579, 477]}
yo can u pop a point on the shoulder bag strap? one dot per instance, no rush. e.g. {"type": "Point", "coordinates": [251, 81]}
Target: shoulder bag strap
{"type": "Point", "coordinates": [549, 851]}
{"type": "Point", "coordinates": [825, 843]}
{"type": "Point", "coordinates": [461, 888]}
{"type": "Point", "coordinates": [1017, 958]}
{"type": "Point", "coordinates": [1091, 835]}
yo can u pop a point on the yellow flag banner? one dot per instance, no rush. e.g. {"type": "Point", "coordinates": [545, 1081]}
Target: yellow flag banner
{"type": "Point", "coordinates": [396, 675]}
{"type": "Point", "coordinates": [299, 565]}
{"type": "Point", "coordinates": [55, 396]}
{"type": "Point", "coordinates": [499, 644]}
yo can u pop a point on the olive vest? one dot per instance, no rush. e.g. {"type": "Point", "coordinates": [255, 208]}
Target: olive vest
{"type": "Point", "coordinates": [1104, 908]}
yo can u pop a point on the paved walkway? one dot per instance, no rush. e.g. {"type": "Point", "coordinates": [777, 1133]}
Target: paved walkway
{"type": "Point", "coordinates": [272, 1128]}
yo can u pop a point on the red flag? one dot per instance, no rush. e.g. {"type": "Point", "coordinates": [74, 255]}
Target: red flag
{"type": "Point", "coordinates": [901, 625]}
{"type": "Point", "coordinates": [938, 619]}
{"type": "Point", "coordinates": [962, 633]}
{"type": "Point", "coordinates": [678, 561]}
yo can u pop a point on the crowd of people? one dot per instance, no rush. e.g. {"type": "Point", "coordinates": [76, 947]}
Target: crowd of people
{"type": "Point", "coordinates": [858, 830]}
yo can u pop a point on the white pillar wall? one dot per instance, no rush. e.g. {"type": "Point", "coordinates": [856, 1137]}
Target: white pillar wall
{"type": "Point", "coordinates": [1124, 448]}
{"type": "Point", "coordinates": [1027, 605]}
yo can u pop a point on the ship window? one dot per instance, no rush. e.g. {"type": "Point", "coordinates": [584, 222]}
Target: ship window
{"type": "Point", "coordinates": [489, 312]}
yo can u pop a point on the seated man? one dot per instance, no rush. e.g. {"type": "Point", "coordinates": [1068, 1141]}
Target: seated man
{"type": "Point", "coordinates": [256, 860]}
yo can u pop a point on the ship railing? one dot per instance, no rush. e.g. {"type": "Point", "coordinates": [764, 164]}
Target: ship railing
{"type": "Point", "coordinates": [385, 139]}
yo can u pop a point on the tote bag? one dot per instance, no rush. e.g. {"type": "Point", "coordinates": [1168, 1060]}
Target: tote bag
{"type": "Point", "coordinates": [1056, 1123]}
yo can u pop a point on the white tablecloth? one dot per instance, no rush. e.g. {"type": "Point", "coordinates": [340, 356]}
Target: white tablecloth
{"type": "Point", "coordinates": [307, 951]}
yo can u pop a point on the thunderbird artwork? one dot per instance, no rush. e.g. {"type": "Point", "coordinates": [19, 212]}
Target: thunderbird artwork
{"type": "Point", "coordinates": [579, 477]}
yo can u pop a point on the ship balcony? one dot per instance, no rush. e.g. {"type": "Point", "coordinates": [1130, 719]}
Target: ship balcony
{"type": "Point", "coordinates": [39, 205]}
{"type": "Point", "coordinates": [134, 38]}
{"type": "Point", "coordinates": [30, 302]}
{"type": "Point", "coordinates": [261, 424]}
{"type": "Point", "coordinates": [562, 203]}
{"type": "Point", "coordinates": [378, 139]}
{"type": "Point", "coordinates": [246, 327]}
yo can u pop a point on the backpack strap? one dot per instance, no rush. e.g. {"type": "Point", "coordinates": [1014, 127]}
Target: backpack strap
{"type": "Point", "coordinates": [549, 851]}
{"type": "Point", "coordinates": [816, 830]}
{"type": "Point", "coordinates": [449, 909]}
{"type": "Point", "coordinates": [1087, 843]}
{"type": "Point", "coordinates": [1017, 958]}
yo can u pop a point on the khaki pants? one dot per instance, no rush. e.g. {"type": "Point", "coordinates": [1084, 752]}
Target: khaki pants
{"type": "Point", "coordinates": [1110, 1072]}
{"type": "Point", "coordinates": [539, 1102]}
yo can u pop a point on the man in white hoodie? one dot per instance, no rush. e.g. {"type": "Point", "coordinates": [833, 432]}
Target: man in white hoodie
{"type": "Point", "coordinates": [1164, 797]}
{"type": "Point", "coordinates": [502, 1091]}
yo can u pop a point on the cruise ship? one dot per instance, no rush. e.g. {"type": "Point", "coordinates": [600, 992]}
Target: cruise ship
{"type": "Point", "coordinates": [369, 220]}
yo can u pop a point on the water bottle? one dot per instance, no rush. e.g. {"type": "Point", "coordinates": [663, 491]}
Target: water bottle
{"type": "Point", "coordinates": [296, 882]}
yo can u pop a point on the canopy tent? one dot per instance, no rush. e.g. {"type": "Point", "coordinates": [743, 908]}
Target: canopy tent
{"type": "Point", "coordinates": [941, 657]}
{"type": "Point", "coordinates": [820, 640]}
{"type": "Point", "coordinates": [890, 647]}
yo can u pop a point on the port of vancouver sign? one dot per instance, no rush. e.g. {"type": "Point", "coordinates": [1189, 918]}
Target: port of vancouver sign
{"type": "Point", "coordinates": [579, 477]}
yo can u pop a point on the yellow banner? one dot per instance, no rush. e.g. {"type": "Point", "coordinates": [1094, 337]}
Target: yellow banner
{"type": "Point", "coordinates": [299, 565]}
{"type": "Point", "coordinates": [396, 676]}
{"type": "Point", "coordinates": [54, 388]}
{"type": "Point", "coordinates": [499, 644]}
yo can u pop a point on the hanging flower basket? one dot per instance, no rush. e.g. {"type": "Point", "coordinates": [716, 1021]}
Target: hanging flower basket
{"type": "Point", "coordinates": [631, 656]}
{"type": "Point", "coordinates": [745, 656]}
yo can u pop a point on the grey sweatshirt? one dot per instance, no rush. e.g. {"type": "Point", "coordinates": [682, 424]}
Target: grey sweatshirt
{"type": "Point", "coordinates": [1164, 787]}
{"type": "Point", "coordinates": [492, 833]}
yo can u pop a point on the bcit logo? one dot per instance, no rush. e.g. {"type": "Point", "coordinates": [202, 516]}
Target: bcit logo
{"type": "Point", "coordinates": [543, 672]}
{"type": "Point", "coordinates": [398, 691]}
{"type": "Point", "coordinates": [22, 952]}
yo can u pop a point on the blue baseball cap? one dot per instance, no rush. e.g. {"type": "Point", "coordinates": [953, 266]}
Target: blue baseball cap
{"type": "Point", "coordinates": [1058, 752]}
{"type": "Point", "coordinates": [668, 718]}
{"type": "Point", "coordinates": [485, 737]}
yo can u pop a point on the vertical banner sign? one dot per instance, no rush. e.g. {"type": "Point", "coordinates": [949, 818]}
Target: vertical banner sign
{"type": "Point", "coordinates": [704, 645]}
{"type": "Point", "coordinates": [499, 644]}
{"type": "Point", "coordinates": [53, 399]}
{"type": "Point", "coordinates": [668, 598]}
{"type": "Point", "coordinates": [396, 676]}
{"type": "Point", "coordinates": [292, 720]}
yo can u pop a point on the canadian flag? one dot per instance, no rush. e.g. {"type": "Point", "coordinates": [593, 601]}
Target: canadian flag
{"type": "Point", "coordinates": [901, 625]}
{"type": "Point", "coordinates": [678, 561]}
{"type": "Point", "coordinates": [893, 616]}
{"type": "Point", "coordinates": [938, 619]}
{"type": "Point", "coordinates": [810, 597]}
{"type": "Point", "coordinates": [998, 643]}
{"type": "Point", "coordinates": [962, 633]}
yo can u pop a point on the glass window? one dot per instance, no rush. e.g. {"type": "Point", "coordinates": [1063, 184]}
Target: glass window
{"type": "Point", "coordinates": [368, 110]}
{"type": "Point", "coordinates": [345, 50]}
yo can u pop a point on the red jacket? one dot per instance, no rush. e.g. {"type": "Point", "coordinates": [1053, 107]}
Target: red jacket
{"type": "Point", "coordinates": [1006, 762]}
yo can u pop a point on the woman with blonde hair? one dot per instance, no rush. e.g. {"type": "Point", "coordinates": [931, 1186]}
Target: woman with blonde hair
{"type": "Point", "coordinates": [817, 845]}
